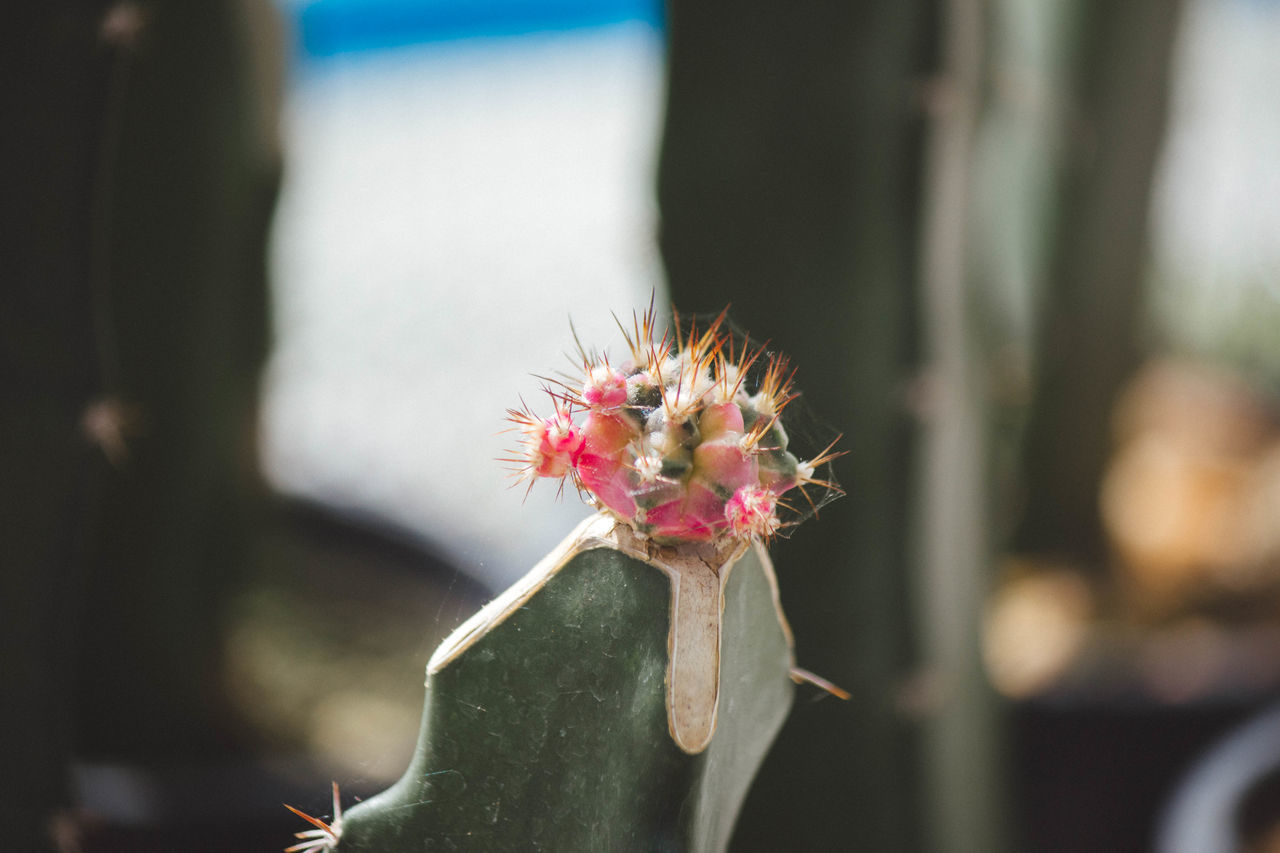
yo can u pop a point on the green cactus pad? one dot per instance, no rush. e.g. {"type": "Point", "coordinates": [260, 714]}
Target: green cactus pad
{"type": "Point", "coordinates": [549, 723]}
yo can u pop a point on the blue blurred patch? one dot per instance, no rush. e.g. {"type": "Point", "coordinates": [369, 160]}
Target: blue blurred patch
{"type": "Point", "coordinates": [328, 27]}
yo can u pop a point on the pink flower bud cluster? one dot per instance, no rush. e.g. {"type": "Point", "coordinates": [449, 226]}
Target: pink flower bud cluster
{"type": "Point", "coordinates": [672, 441]}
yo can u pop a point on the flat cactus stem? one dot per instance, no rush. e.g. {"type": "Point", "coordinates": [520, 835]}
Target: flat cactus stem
{"type": "Point", "coordinates": [597, 704]}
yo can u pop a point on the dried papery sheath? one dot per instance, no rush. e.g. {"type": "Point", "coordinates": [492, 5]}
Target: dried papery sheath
{"type": "Point", "coordinates": [684, 438]}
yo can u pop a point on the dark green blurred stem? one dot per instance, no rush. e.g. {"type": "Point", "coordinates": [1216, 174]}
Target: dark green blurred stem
{"type": "Point", "coordinates": [963, 752]}
{"type": "Point", "coordinates": [1090, 315]}
{"type": "Point", "coordinates": [788, 185]}
{"type": "Point", "coordinates": [141, 178]}
{"type": "Point", "coordinates": [193, 177]}
{"type": "Point", "coordinates": [54, 116]}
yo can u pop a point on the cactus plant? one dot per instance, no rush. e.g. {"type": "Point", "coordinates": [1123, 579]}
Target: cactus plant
{"type": "Point", "coordinates": [680, 441]}
{"type": "Point", "coordinates": [597, 703]}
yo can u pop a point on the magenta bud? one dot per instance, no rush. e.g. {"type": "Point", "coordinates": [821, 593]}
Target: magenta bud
{"type": "Point", "coordinates": [720, 418]}
{"type": "Point", "coordinates": [604, 388]}
{"type": "Point", "coordinates": [551, 444]}
{"type": "Point", "coordinates": [609, 480]}
{"type": "Point", "coordinates": [725, 463]}
{"type": "Point", "coordinates": [752, 511]}
{"type": "Point", "coordinates": [606, 434]}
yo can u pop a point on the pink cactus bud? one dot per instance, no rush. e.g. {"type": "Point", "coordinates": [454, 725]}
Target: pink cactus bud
{"type": "Point", "coordinates": [672, 522]}
{"type": "Point", "coordinates": [725, 463]}
{"type": "Point", "coordinates": [719, 418]}
{"type": "Point", "coordinates": [550, 444]}
{"type": "Point", "coordinates": [607, 434]}
{"type": "Point", "coordinates": [704, 505]}
{"type": "Point", "coordinates": [604, 388]}
{"type": "Point", "coordinates": [751, 512]}
{"type": "Point", "coordinates": [609, 480]}
{"type": "Point", "coordinates": [602, 463]}
{"type": "Point", "coordinates": [661, 491]}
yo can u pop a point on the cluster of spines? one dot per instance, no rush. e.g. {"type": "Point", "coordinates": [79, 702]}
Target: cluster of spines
{"type": "Point", "coordinates": [325, 836]}
{"type": "Point", "coordinates": [671, 440]}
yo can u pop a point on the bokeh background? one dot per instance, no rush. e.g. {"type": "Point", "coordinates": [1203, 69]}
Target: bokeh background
{"type": "Point", "coordinates": [281, 267]}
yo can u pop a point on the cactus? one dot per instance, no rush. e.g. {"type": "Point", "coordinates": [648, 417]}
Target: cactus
{"type": "Point", "coordinates": [677, 441]}
{"type": "Point", "coordinates": [598, 704]}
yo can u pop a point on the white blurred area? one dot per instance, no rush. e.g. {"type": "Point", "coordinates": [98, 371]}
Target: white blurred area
{"type": "Point", "coordinates": [1216, 209]}
{"type": "Point", "coordinates": [447, 207]}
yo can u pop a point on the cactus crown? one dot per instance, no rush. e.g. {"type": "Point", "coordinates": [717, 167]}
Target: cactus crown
{"type": "Point", "coordinates": [683, 440]}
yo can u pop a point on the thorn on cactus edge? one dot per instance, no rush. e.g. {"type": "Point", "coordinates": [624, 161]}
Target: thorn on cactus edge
{"type": "Point", "coordinates": [325, 836]}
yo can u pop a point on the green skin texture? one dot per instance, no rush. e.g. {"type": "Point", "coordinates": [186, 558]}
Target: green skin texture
{"type": "Point", "coordinates": [550, 732]}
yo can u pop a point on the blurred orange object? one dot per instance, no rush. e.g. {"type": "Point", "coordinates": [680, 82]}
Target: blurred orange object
{"type": "Point", "coordinates": [1191, 499]}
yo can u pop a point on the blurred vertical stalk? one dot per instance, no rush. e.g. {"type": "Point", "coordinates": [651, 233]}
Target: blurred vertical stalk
{"type": "Point", "coordinates": [1089, 316]}
{"type": "Point", "coordinates": [142, 174]}
{"type": "Point", "coordinates": [789, 185]}
{"type": "Point", "coordinates": [54, 109]}
{"type": "Point", "coordinates": [962, 747]}
{"type": "Point", "coordinates": [192, 178]}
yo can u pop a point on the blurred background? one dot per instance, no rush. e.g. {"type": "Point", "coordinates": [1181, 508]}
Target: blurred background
{"type": "Point", "coordinates": [281, 267]}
